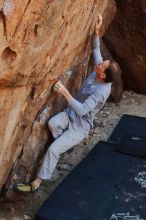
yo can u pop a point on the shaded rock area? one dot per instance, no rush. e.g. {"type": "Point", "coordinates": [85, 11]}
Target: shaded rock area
{"type": "Point", "coordinates": [126, 40]}
{"type": "Point", "coordinates": [17, 206]}
{"type": "Point", "coordinates": [40, 42]}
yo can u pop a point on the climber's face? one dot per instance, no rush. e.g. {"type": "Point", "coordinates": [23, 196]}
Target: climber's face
{"type": "Point", "coordinates": [101, 67]}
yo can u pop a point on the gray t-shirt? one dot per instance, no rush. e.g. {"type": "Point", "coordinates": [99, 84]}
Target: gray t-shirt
{"type": "Point", "coordinates": [91, 97]}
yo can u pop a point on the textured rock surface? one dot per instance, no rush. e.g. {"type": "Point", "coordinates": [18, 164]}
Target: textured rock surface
{"type": "Point", "coordinates": [39, 41]}
{"type": "Point", "coordinates": [126, 39]}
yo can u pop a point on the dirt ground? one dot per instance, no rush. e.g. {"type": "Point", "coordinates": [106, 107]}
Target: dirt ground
{"type": "Point", "coordinates": [22, 207]}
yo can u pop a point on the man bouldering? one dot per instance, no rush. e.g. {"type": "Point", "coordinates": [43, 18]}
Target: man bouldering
{"type": "Point", "coordinates": [72, 125]}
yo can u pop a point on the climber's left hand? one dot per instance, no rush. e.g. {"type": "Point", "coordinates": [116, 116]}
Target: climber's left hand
{"type": "Point", "coordinates": [60, 88]}
{"type": "Point", "coordinates": [98, 24]}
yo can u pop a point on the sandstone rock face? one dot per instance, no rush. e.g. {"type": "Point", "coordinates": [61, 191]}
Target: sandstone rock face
{"type": "Point", "coordinates": [40, 42]}
{"type": "Point", "coordinates": [126, 39]}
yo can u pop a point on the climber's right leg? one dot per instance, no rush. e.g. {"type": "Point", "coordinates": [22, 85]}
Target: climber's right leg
{"type": "Point", "coordinates": [58, 124]}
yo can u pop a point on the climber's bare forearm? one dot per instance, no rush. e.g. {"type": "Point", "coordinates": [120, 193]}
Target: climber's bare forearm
{"type": "Point", "coordinates": [67, 95]}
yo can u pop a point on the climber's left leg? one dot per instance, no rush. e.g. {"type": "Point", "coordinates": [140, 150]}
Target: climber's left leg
{"type": "Point", "coordinates": [72, 136]}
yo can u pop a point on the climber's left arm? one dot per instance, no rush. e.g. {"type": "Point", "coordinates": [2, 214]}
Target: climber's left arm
{"type": "Point", "coordinates": [80, 108]}
{"type": "Point", "coordinates": [96, 42]}
{"type": "Point", "coordinates": [61, 89]}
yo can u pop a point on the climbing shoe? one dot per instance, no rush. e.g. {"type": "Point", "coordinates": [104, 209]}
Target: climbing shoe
{"type": "Point", "coordinates": [25, 187]}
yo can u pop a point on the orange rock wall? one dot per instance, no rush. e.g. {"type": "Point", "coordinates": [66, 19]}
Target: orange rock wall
{"type": "Point", "coordinates": [40, 40]}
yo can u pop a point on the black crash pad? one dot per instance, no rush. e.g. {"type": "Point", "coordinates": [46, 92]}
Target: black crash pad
{"type": "Point", "coordinates": [77, 198]}
{"type": "Point", "coordinates": [126, 207]}
{"type": "Point", "coordinates": [103, 164]}
{"type": "Point", "coordinates": [131, 193]}
{"type": "Point", "coordinates": [129, 136]}
{"type": "Point", "coordinates": [83, 198]}
{"type": "Point", "coordinates": [132, 145]}
{"type": "Point", "coordinates": [89, 191]}
{"type": "Point", "coordinates": [134, 182]}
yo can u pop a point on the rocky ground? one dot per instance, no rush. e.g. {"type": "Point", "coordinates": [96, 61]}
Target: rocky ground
{"type": "Point", "coordinates": [22, 207]}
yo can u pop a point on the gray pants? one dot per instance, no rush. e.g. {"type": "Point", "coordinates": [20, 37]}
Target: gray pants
{"type": "Point", "coordinates": [66, 134]}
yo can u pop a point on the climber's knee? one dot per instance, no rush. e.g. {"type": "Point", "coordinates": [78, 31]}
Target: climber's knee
{"type": "Point", "coordinates": [51, 124]}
